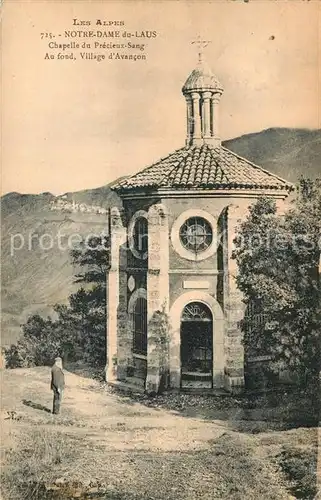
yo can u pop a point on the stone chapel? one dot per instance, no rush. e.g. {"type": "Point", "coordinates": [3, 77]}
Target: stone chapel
{"type": "Point", "coordinates": [171, 248]}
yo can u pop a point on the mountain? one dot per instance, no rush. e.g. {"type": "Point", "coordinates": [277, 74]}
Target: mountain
{"type": "Point", "coordinates": [33, 279]}
{"type": "Point", "coordinates": [288, 153]}
{"type": "Point", "coordinates": [36, 268]}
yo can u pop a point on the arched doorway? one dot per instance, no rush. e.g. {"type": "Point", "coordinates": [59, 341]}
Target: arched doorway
{"type": "Point", "coordinates": [196, 346]}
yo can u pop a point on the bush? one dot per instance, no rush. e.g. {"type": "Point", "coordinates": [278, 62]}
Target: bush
{"type": "Point", "coordinates": [20, 355]}
{"type": "Point", "coordinates": [79, 333]}
{"type": "Point", "coordinates": [42, 341]}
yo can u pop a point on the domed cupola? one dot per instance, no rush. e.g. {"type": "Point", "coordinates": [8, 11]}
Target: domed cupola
{"type": "Point", "coordinates": [202, 91]}
{"type": "Point", "coordinates": [202, 79]}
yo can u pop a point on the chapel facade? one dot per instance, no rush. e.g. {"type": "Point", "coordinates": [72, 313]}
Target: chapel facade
{"type": "Point", "coordinates": [171, 250]}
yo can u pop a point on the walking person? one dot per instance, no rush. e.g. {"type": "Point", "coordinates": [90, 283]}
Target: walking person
{"type": "Point", "coordinates": [57, 384]}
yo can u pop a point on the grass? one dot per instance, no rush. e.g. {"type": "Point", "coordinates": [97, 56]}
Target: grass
{"type": "Point", "coordinates": [300, 466]}
{"type": "Point", "coordinates": [33, 461]}
{"type": "Point", "coordinates": [45, 464]}
{"type": "Point", "coordinates": [49, 465]}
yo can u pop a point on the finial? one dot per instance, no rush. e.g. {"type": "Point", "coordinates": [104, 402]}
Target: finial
{"type": "Point", "coordinates": [201, 46]}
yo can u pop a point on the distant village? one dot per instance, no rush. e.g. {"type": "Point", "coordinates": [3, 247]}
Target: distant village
{"type": "Point", "coordinates": [64, 204]}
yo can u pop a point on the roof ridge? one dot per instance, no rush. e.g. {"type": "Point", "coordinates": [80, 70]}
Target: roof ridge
{"type": "Point", "coordinates": [218, 166]}
{"type": "Point", "coordinates": [203, 166]}
{"type": "Point", "coordinates": [147, 168]}
{"type": "Point", "coordinates": [176, 167]}
{"type": "Point", "coordinates": [258, 167]}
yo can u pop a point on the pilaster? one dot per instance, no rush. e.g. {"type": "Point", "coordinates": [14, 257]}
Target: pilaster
{"type": "Point", "coordinates": [234, 310]}
{"type": "Point", "coordinates": [124, 336]}
{"type": "Point", "coordinates": [157, 282]}
{"type": "Point", "coordinates": [114, 279]}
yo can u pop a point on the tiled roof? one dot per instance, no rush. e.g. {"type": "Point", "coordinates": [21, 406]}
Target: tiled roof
{"type": "Point", "coordinates": [203, 167]}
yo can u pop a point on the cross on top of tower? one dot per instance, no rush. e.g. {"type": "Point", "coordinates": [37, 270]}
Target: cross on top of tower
{"type": "Point", "coordinates": [201, 45]}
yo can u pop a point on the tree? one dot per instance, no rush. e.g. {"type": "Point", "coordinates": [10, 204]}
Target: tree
{"type": "Point", "coordinates": [80, 329]}
{"type": "Point", "coordinates": [278, 259]}
{"type": "Point", "coordinates": [87, 310]}
{"type": "Point", "coordinates": [92, 259]}
{"type": "Point", "coordinates": [86, 316]}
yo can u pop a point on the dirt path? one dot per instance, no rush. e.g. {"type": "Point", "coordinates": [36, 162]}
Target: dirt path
{"type": "Point", "coordinates": [113, 421]}
{"type": "Point", "coordinates": [141, 453]}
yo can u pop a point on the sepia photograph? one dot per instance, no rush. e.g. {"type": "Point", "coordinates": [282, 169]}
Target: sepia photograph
{"type": "Point", "coordinates": [160, 249]}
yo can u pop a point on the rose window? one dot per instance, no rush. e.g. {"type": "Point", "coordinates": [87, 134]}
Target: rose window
{"type": "Point", "coordinates": [196, 234]}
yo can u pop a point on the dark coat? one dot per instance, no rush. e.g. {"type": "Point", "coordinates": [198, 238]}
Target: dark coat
{"type": "Point", "coordinates": [57, 378]}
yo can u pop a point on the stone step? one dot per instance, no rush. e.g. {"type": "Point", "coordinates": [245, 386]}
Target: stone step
{"type": "Point", "coordinates": [126, 386]}
{"type": "Point", "coordinates": [197, 376]}
{"type": "Point", "coordinates": [196, 384]}
{"type": "Point", "coordinates": [205, 391]}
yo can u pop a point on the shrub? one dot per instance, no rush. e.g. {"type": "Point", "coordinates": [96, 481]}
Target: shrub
{"type": "Point", "coordinates": [41, 342]}
{"type": "Point", "coordinates": [78, 333]}
{"type": "Point", "coordinates": [20, 355]}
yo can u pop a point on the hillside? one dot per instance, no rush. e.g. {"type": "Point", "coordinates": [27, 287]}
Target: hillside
{"type": "Point", "coordinates": [288, 153]}
{"type": "Point", "coordinates": [34, 280]}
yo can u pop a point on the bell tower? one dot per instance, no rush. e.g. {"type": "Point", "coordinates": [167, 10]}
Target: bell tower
{"type": "Point", "coordinates": [202, 92]}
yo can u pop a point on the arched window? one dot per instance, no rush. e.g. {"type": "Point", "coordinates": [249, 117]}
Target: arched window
{"type": "Point", "coordinates": [140, 235]}
{"type": "Point", "coordinates": [140, 326]}
{"type": "Point", "coordinates": [196, 311]}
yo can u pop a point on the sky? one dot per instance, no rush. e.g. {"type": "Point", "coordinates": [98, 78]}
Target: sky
{"type": "Point", "coordinates": [72, 125]}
